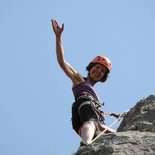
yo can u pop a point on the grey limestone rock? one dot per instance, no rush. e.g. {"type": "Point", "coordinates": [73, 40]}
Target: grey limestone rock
{"type": "Point", "coordinates": [134, 136]}
{"type": "Point", "coordinates": [141, 117]}
{"type": "Point", "coordinates": [122, 143]}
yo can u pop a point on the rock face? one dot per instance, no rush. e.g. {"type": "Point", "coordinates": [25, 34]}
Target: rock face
{"type": "Point", "coordinates": [135, 136]}
{"type": "Point", "coordinates": [122, 143]}
{"type": "Point", "coordinates": [141, 117]}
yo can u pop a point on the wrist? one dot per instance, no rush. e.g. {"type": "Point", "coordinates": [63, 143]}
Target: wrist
{"type": "Point", "coordinates": [58, 36]}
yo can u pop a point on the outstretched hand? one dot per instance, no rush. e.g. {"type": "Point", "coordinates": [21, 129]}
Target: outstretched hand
{"type": "Point", "coordinates": [56, 28]}
{"type": "Point", "coordinates": [118, 116]}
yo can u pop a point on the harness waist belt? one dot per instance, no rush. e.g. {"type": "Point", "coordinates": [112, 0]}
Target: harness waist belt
{"type": "Point", "coordinates": [84, 103]}
{"type": "Point", "coordinates": [87, 102]}
{"type": "Point", "coordinates": [84, 98]}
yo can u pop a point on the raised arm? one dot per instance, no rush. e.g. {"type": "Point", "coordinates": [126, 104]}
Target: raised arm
{"type": "Point", "coordinates": [66, 67]}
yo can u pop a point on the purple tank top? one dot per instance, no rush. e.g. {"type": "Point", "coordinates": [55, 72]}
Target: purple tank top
{"type": "Point", "coordinates": [85, 88]}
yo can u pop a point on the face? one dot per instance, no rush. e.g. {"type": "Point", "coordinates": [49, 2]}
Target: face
{"type": "Point", "coordinates": [97, 72]}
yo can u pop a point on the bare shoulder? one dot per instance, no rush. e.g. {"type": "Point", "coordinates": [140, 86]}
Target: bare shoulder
{"type": "Point", "coordinates": [77, 79]}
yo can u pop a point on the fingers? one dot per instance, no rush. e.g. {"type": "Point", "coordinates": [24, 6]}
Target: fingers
{"type": "Point", "coordinates": [56, 25]}
{"type": "Point", "coordinates": [52, 21]}
{"type": "Point", "coordinates": [62, 26]}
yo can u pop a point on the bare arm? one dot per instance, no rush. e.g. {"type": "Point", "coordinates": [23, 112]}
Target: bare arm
{"type": "Point", "coordinates": [66, 67]}
{"type": "Point", "coordinates": [112, 114]}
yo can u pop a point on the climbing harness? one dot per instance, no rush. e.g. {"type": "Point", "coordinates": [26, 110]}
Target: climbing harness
{"type": "Point", "coordinates": [95, 103]}
{"type": "Point", "coordinates": [79, 102]}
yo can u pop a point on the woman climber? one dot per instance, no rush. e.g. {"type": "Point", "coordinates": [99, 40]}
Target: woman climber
{"type": "Point", "coordinates": [87, 118]}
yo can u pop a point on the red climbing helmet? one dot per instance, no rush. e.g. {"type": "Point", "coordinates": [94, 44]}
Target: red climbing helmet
{"type": "Point", "coordinates": [103, 61]}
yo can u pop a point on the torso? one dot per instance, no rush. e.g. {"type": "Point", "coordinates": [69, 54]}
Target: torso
{"type": "Point", "coordinates": [84, 88]}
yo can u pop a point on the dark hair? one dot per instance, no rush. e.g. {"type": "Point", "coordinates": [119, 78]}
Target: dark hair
{"type": "Point", "coordinates": [104, 78]}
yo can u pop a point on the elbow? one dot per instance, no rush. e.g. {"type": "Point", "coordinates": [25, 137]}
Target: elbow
{"type": "Point", "coordinates": [61, 62]}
